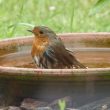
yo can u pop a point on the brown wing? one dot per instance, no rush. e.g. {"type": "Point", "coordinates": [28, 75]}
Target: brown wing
{"type": "Point", "coordinates": [56, 56]}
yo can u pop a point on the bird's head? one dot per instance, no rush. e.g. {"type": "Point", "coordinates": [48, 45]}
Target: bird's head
{"type": "Point", "coordinates": [43, 31]}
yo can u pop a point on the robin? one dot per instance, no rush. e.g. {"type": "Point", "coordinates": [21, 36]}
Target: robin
{"type": "Point", "coordinates": [48, 51]}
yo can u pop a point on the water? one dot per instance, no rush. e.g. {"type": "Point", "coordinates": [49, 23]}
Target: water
{"type": "Point", "coordinates": [91, 57]}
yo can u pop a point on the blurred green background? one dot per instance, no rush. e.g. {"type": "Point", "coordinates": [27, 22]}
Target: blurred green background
{"type": "Point", "coordinates": [16, 16]}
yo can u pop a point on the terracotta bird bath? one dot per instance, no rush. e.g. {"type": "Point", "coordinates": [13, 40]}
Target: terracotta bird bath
{"type": "Point", "coordinates": [17, 67]}
{"type": "Point", "coordinates": [93, 50]}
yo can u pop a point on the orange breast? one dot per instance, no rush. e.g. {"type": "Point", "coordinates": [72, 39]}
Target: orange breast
{"type": "Point", "coordinates": [39, 46]}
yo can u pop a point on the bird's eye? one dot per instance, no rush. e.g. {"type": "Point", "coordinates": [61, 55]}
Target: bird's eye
{"type": "Point", "coordinates": [41, 32]}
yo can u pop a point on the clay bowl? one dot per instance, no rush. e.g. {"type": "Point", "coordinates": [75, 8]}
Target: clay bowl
{"type": "Point", "coordinates": [91, 49]}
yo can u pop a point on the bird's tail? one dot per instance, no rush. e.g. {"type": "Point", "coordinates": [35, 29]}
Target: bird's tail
{"type": "Point", "coordinates": [77, 64]}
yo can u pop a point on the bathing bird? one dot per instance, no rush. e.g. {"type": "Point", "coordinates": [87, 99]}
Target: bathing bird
{"type": "Point", "coordinates": [49, 52]}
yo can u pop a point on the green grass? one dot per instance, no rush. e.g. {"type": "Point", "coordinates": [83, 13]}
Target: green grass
{"type": "Point", "coordinates": [66, 16]}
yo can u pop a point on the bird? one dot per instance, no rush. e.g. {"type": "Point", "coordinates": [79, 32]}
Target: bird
{"type": "Point", "coordinates": [49, 52]}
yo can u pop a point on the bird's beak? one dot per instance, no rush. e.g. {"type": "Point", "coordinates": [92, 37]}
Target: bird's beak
{"type": "Point", "coordinates": [30, 31]}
